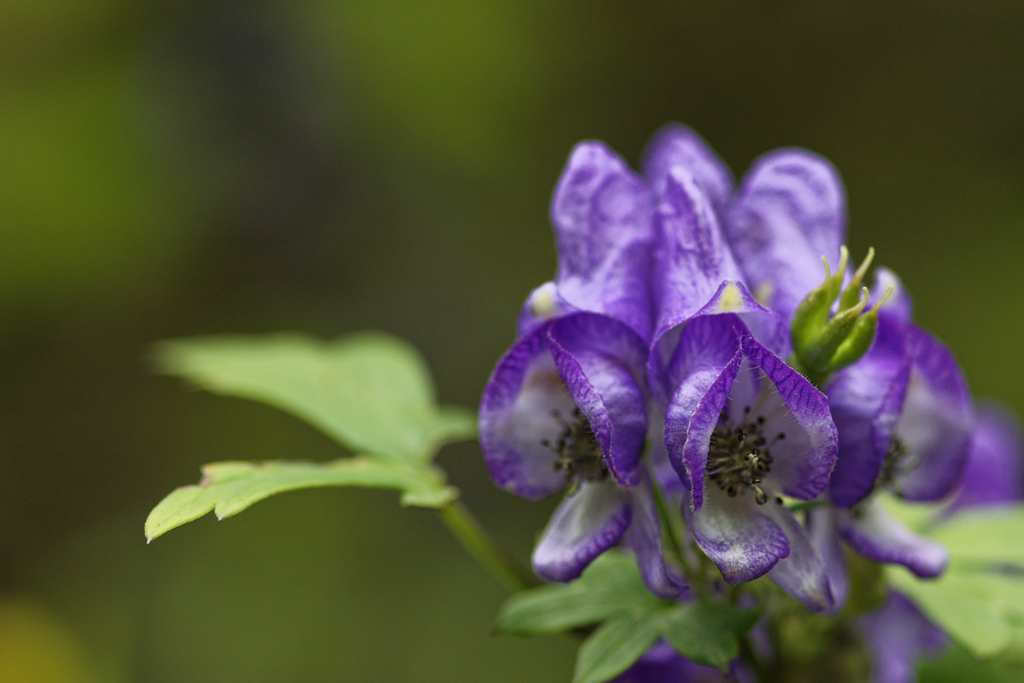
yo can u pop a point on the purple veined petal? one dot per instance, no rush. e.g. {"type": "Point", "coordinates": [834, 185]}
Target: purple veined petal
{"type": "Point", "coordinates": [542, 305]}
{"type": "Point", "coordinates": [790, 211]}
{"type": "Point", "coordinates": [602, 364]}
{"type": "Point", "coordinates": [517, 414]}
{"type": "Point", "coordinates": [662, 664]}
{"type": "Point", "coordinates": [584, 525]}
{"type": "Point", "coordinates": [678, 146]}
{"type": "Point", "coordinates": [791, 406]}
{"type": "Point", "coordinates": [821, 526]}
{"type": "Point", "coordinates": [767, 326]}
{"type": "Point", "coordinates": [879, 536]}
{"type": "Point", "coordinates": [899, 304]}
{"type": "Point", "coordinates": [993, 475]}
{"type": "Point", "coordinates": [644, 538]}
{"type": "Point", "coordinates": [731, 297]}
{"type": "Point", "coordinates": [937, 421]}
{"type": "Point", "coordinates": [897, 634]}
{"type": "Point", "coordinates": [866, 400]}
{"type": "Point", "coordinates": [602, 213]}
{"type": "Point", "coordinates": [803, 573]}
{"type": "Point", "coordinates": [692, 259]}
{"type": "Point", "coordinates": [703, 369]}
{"type": "Point", "coordinates": [737, 534]}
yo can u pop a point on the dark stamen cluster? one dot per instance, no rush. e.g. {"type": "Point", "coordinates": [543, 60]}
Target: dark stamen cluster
{"type": "Point", "coordinates": [898, 462]}
{"type": "Point", "coordinates": [739, 456]}
{"type": "Point", "coordinates": [578, 451]}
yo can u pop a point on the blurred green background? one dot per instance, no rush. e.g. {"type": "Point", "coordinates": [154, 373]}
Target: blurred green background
{"type": "Point", "coordinates": [174, 168]}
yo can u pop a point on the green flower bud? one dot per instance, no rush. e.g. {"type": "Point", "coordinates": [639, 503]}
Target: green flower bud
{"type": "Point", "coordinates": [816, 358]}
{"type": "Point", "coordinates": [859, 340]}
{"type": "Point", "coordinates": [811, 314]}
{"type": "Point", "coordinates": [851, 295]}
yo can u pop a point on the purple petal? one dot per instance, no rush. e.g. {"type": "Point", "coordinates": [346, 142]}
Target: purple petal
{"type": "Point", "coordinates": [692, 259]}
{"type": "Point", "coordinates": [584, 525]}
{"type": "Point", "coordinates": [879, 536]}
{"type": "Point", "coordinates": [790, 212]}
{"type": "Point", "coordinates": [644, 538]}
{"type": "Point", "coordinates": [866, 400]}
{"type": "Point", "coordinates": [737, 534]}
{"type": "Point", "coordinates": [993, 475]}
{"type": "Point", "coordinates": [804, 460]}
{"type": "Point", "coordinates": [602, 215]}
{"type": "Point", "coordinates": [703, 369]}
{"type": "Point", "coordinates": [821, 526]}
{"type": "Point", "coordinates": [602, 364]}
{"type": "Point", "coordinates": [937, 420]}
{"type": "Point", "coordinates": [517, 415]}
{"type": "Point", "coordinates": [803, 573]}
{"type": "Point", "coordinates": [678, 146]}
{"type": "Point", "coordinates": [767, 326]}
{"type": "Point", "coordinates": [899, 304]}
{"type": "Point", "coordinates": [542, 305]}
{"type": "Point", "coordinates": [897, 634]}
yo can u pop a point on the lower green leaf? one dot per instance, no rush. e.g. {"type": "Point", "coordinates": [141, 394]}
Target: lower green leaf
{"type": "Point", "coordinates": [708, 632]}
{"type": "Point", "coordinates": [977, 609]}
{"type": "Point", "coordinates": [615, 646]}
{"type": "Point", "coordinates": [227, 488]}
{"type": "Point", "coordinates": [611, 586]}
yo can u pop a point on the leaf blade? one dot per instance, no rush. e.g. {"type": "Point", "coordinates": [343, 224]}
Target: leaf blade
{"type": "Point", "coordinates": [610, 587]}
{"type": "Point", "coordinates": [371, 392]}
{"type": "Point", "coordinates": [615, 646]}
{"type": "Point", "coordinates": [707, 632]}
{"type": "Point", "coordinates": [227, 488]}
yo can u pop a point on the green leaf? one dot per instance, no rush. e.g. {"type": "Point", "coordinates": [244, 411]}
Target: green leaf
{"type": "Point", "coordinates": [371, 392]}
{"type": "Point", "coordinates": [979, 599]}
{"type": "Point", "coordinates": [227, 488]}
{"type": "Point", "coordinates": [965, 605]}
{"type": "Point", "coordinates": [985, 535]}
{"type": "Point", "coordinates": [708, 632]}
{"type": "Point", "coordinates": [610, 587]}
{"type": "Point", "coordinates": [615, 646]}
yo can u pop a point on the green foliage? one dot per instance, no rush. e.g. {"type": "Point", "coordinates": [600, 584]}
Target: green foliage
{"type": "Point", "coordinates": [370, 392]}
{"type": "Point", "coordinates": [979, 599]}
{"type": "Point", "coordinates": [610, 587]}
{"type": "Point", "coordinates": [615, 646]}
{"type": "Point", "coordinates": [612, 594]}
{"type": "Point", "coordinates": [227, 488]}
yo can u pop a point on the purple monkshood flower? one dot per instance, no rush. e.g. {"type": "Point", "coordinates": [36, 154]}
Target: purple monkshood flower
{"type": "Point", "coordinates": [897, 634]}
{"type": "Point", "coordinates": [903, 412]}
{"type": "Point", "coordinates": [741, 426]}
{"type": "Point", "coordinates": [995, 467]}
{"type": "Point", "coordinates": [567, 405]}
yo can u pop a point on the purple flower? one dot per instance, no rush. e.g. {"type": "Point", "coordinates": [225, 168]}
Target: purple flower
{"type": "Point", "coordinates": [903, 411]}
{"type": "Point", "coordinates": [741, 426]}
{"type": "Point", "coordinates": [567, 405]}
{"type": "Point", "coordinates": [994, 474]}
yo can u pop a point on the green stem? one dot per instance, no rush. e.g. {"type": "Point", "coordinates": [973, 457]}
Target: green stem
{"type": "Point", "coordinates": [464, 526]}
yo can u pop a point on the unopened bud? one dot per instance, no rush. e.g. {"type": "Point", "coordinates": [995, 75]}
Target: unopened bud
{"type": "Point", "coordinates": [860, 338]}
{"type": "Point", "coordinates": [817, 357]}
{"type": "Point", "coordinates": [811, 314]}
{"type": "Point", "coordinates": [851, 295]}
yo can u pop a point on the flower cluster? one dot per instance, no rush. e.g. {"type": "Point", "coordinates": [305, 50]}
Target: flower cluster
{"type": "Point", "coordinates": [695, 358]}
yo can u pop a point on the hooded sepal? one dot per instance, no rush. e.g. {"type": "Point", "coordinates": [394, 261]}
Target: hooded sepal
{"type": "Point", "coordinates": [602, 216]}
